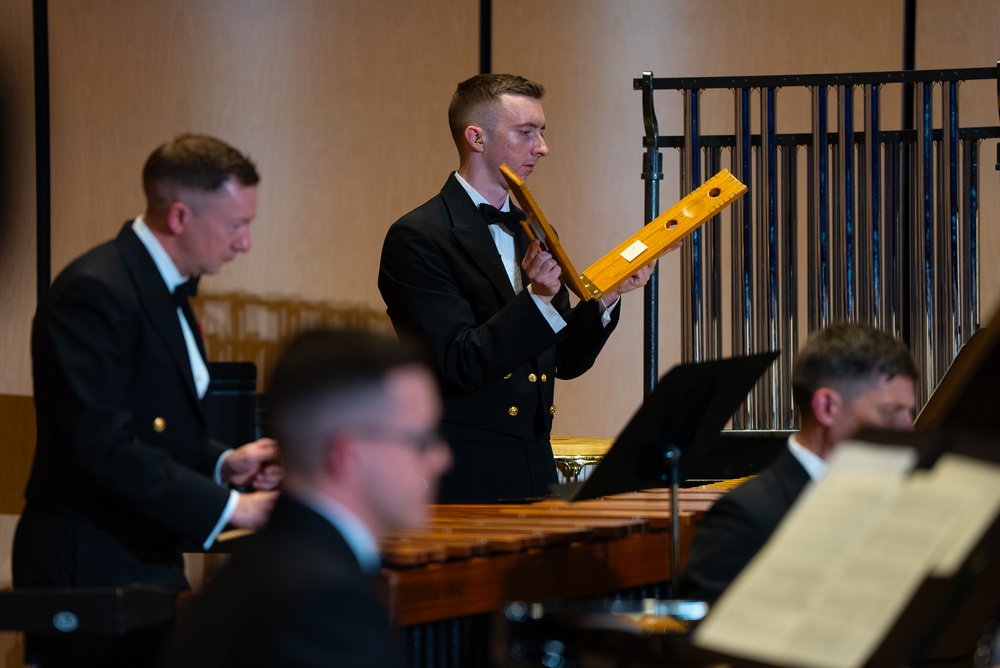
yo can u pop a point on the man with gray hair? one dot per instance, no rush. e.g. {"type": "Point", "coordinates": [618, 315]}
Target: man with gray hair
{"type": "Point", "coordinates": [356, 415]}
{"type": "Point", "coordinates": [124, 470]}
{"type": "Point", "coordinates": [846, 378]}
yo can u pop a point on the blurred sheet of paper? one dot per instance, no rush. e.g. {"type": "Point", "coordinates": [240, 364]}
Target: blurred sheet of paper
{"type": "Point", "coordinates": [763, 613]}
{"type": "Point", "coordinates": [979, 483]}
{"type": "Point", "coordinates": [829, 585]}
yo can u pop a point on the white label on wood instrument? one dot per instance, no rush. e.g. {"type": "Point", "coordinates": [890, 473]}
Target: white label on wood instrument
{"type": "Point", "coordinates": [633, 251]}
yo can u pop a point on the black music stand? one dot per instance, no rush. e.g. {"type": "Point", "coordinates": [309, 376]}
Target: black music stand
{"type": "Point", "coordinates": [99, 610]}
{"type": "Point", "coordinates": [231, 402]}
{"type": "Point", "coordinates": [673, 429]}
{"type": "Point", "coordinates": [946, 615]}
{"type": "Point", "coordinates": [687, 409]}
{"type": "Point", "coordinates": [964, 398]}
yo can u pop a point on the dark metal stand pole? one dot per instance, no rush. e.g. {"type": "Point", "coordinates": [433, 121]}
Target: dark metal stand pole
{"type": "Point", "coordinates": [907, 213]}
{"type": "Point", "coordinates": [43, 153]}
{"type": "Point", "coordinates": [672, 462]}
{"type": "Point", "coordinates": [652, 174]}
{"type": "Point", "coordinates": [485, 36]}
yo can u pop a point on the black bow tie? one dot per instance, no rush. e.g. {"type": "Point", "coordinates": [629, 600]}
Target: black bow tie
{"type": "Point", "coordinates": [186, 290]}
{"type": "Point", "coordinates": [508, 220]}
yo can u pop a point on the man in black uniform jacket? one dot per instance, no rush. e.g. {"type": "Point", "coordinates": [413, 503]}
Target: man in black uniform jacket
{"type": "Point", "coordinates": [461, 276]}
{"type": "Point", "coordinates": [356, 415]}
{"type": "Point", "coordinates": [846, 378]}
{"type": "Point", "coordinates": [124, 469]}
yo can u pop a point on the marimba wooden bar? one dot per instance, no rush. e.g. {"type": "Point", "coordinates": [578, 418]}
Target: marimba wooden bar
{"type": "Point", "coordinates": [472, 559]}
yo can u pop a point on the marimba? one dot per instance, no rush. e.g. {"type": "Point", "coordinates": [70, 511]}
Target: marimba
{"type": "Point", "coordinates": [444, 581]}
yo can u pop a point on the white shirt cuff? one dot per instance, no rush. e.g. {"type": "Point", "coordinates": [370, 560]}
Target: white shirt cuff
{"type": "Point", "coordinates": [227, 514]}
{"type": "Point", "coordinates": [549, 312]}
{"type": "Point", "coordinates": [606, 311]}
{"type": "Point", "coordinates": [217, 474]}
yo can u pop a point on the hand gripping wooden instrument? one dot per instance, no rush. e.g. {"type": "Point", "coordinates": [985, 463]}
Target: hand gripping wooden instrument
{"type": "Point", "coordinates": [643, 247]}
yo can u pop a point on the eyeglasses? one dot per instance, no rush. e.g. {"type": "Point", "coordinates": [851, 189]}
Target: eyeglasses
{"type": "Point", "coordinates": [421, 441]}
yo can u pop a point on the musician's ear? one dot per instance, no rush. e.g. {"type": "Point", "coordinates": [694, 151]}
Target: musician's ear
{"type": "Point", "coordinates": [826, 406]}
{"type": "Point", "coordinates": [337, 457]}
{"type": "Point", "coordinates": [474, 138]}
{"type": "Point", "coordinates": [177, 217]}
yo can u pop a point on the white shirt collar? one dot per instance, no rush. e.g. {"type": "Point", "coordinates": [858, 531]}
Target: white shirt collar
{"type": "Point", "coordinates": [814, 465]}
{"type": "Point", "coordinates": [168, 270]}
{"type": "Point", "coordinates": [478, 199]}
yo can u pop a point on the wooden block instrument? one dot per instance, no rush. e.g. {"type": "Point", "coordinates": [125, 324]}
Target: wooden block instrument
{"type": "Point", "coordinates": [442, 583]}
{"type": "Point", "coordinates": [471, 559]}
{"type": "Point", "coordinates": [638, 250]}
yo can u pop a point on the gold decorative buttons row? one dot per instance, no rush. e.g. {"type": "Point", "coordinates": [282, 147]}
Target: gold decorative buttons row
{"type": "Point", "coordinates": [512, 411]}
{"type": "Point", "coordinates": [532, 378]}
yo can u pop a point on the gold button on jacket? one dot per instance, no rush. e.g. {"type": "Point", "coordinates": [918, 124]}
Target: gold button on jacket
{"type": "Point", "coordinates": [552, 409]}
{"type": "Point", "coordinates": [512, 411]}
{"type": "Point", "coordinates": [532, 377]}
{"type": "Point", "coordinates": [159, 425]}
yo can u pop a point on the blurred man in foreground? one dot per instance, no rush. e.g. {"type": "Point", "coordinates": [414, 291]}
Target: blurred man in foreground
{"type": "Point", "coordinates": [356, 416]}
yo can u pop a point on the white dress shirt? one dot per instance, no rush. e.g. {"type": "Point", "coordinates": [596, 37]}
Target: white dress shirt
{"type": "Point", "coordinates": [814, 465]}
{"type": "Point", "coordinates": [508, 255]}
{"type": "Point", "coordinates": [357, 534]}
{"type": "Point", "coordinates": [172, 277]}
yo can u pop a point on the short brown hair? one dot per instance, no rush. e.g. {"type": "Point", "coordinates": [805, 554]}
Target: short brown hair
{"type": "Point", "coordinates": [848, 357]}
{"type": "Point", "coordinates": [476, 99]}
{"type": "Point", "coordinates": [199, 162]}
{"type": "Point", "coordinates": [323, 379]}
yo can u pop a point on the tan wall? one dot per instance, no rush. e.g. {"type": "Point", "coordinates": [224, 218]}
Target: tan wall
{"type": "Point", "coordinates": [17, 276]}
{"type": "Point", "coordinates": [342, 104]}
{"type": "Point", "coordinates": [17, 193]}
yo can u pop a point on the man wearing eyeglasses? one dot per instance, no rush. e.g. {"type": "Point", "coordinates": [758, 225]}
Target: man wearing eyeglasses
{"type": "Point", "coordinates": [356, 415]}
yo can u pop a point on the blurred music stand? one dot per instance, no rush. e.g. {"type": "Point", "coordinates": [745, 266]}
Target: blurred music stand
{"type": "Point", "coordinates": [946, 615]}
{"type": "Point", "coordinates": [964, 398]}
{"type": "Point", "coordinates": [231, 402]}
{"type": "Point", "coordinates": [672, 430]}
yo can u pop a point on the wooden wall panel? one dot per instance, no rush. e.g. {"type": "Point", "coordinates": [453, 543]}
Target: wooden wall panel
{"type": "Point", "coordinates": [17, 192]}
{"type": "Point", "coordinates": [17, 439]}
{"type": "Point", "coordinates": [11, 644]}
{"type": "Point", "coordinates": [17, 279]}
{"type": "Point", "coordinates": [342, 104]}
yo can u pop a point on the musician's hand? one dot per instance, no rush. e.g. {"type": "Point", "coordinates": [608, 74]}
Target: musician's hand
{"type": "Point", "coordinates": [253, 509]}
{"type": "Point", "coordinates": [638, 279]}
{"type": "Point", "coordinates": [256, 464]}
{"type": "Point", "coordinates": [542, 271]}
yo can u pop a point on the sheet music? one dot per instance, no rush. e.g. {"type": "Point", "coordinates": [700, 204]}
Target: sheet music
{"type": "Point", "coordinates": [830, 583]}
{"type": "Point", "coordinates": [980, 483]}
